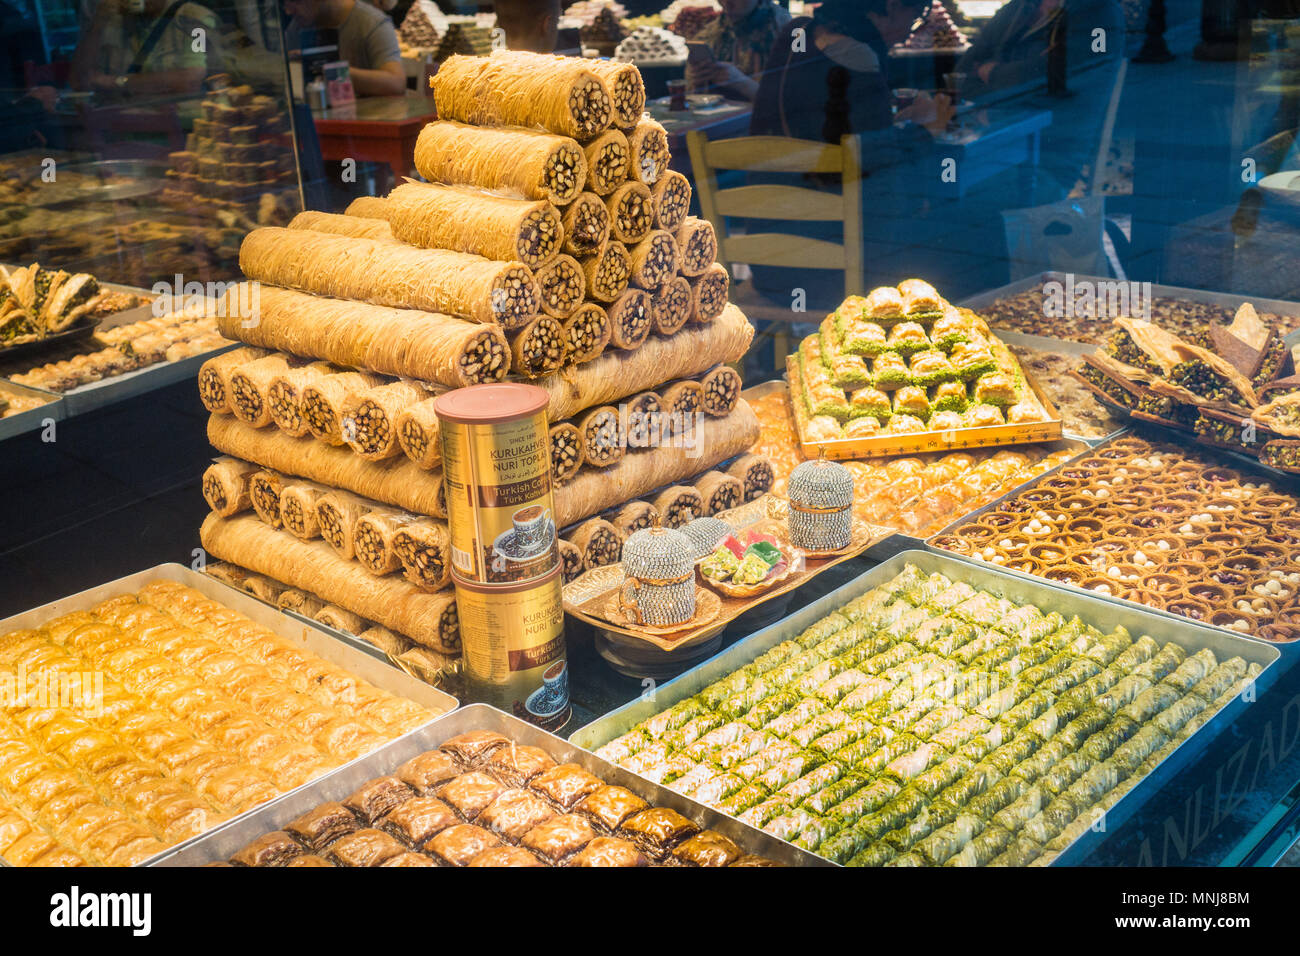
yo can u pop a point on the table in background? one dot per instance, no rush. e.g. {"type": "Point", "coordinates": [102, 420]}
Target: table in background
{"type": "Point", "coordinates": [728, 119]}
{"type": "Point", "coordinates": [376, 129]}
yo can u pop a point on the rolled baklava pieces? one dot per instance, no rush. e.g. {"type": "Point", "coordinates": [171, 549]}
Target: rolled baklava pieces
{"type": "Point", "coordinates": [588, 332]}
{"type": "Point", "coordinates": [631, 213]}
{"type": "Point", "coordinates": [428, 346]}
{"type": "Point", "coordinates": [470, 221]}
{"type": "Point", "coordinates": [823, 742]}
{"type": "Point", "coordinates": [226, 486]}
{"type": "Point", "coordinates": [638, 474]}
{"type": "Point", "coordinates": [626, 91]}
{"type": "Point", "coordinates": [394, 481]}
{"type": "Point", "coordinates": [671, 305]}
{"type": "Point", "coordinates": [672, 200]}
{"type": "Point", "coordinates": [427, 618]}
{"type": "Point", "coordinates": [512, 161]}
{"type": "Point", "coordinates": [559, 94]}
{"type": "Point", "coordinates": [698, 245]}
{"type": "Point", "coordinates": [562, 284]}
{"type": "Point", "coordinates": [586, 225]}
{"type": "Point", "coordinates": [608, 272]}
{"type": "Point", "coordinates": [599, 543]}
{"type": "Point", "coordinates": [233, 716]}
{"type": "Point", "coordinates": [355, 226]}
{"type": "Point", "coordinates": [611, 377]}
{"type": "Point", "coordinates": [392, 274]}
{"type": "Point", "coordinates": [214, 377]}
{"type": "Point", "coordinates": [607, 162]}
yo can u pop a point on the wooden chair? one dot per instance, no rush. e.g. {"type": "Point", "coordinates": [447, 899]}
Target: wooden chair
{"type": "Point", "coordinates": [776, 154]}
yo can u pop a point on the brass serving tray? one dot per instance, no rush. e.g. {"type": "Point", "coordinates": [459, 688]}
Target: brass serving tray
{"type": "Point", "coordinates": [586, 597]}
{"type": "Point", "coordinates": [917, 442]}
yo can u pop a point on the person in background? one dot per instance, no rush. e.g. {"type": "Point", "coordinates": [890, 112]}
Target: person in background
{"type": "Point", "coordinates": [730, 54]}
{"type": "Point", "coordinates": [367, 41]}
{"type": "Point", "coordinates": [147, 47]}
{"type": "Point", "coordinates": [834, 82]}
{"type": "Point", "coordinates": [1013, 48]}
{"type": "Point", "coordinates": [531, 25]}
{"type": "Point", "coordinates": [826, 80]}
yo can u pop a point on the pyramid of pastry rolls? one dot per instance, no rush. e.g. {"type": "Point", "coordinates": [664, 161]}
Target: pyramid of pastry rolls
{"type": "Point", "coordinates": [551, 243]}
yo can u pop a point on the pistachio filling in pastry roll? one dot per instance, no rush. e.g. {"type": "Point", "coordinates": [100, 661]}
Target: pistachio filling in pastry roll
{"type": "Point", "coordinates": [264, 487]}
{"type": "Point", "coordinates": [719, 492]}
{"type": "Point", "coordinates": [644, 419]}
{"type": "Point", "coordinates": [654, 259]}
{"type": "Point", "coordinates": [555, 93]}
{"type": "Point", "coordinates": [423, 345]}
{"type": "Point", "coordinates": [337, 513]}
{"type": "Point", "coordinates": [671, 305]}
{"type": "Point", "coordinates": [570, 561]}
{"type": "Point", "coordinates": [284, 395]}
{"type": "Point", "coordinates": [447, 217]}
{"type": "Point", "coordinates": [608, 272]}
{"type": "Point", "coordinates": [698, 245]}
{"type": "Point", "coordinates": [626, 90]}
{"type": "Point", "coordinates": [392, 274]}
{"type": "Point", "coordinates": [567, 456]}
{"type": "Point", "coordinates": [421, 547]}
{"type": "Point", "coordinates": [678, 505]}
{"type": "Point", "coordinates": [562, 285]}
{"type": "Point", "coordinates": [214, 377]}
{"type": "Point", "coordinates": [631, 212]}
{"type": "Point", "coordinates": [630, 319]}
{"type": "Point", "coordinates": [373, 540]}
{"type": "Point", "coordinates": [540, 165]}
{"type": "Point", "coordinates": [417, 433]}
{"type": "Point", "coordinates": [755, 473]}
{"type": "Point", "coordinates": [355, 226]}
{"type": "Point", "coordinates": [587, 331]}
{"type": "Point", "coordinates": [370, 418]}
{"type": "Point", "coordinates": [682, 402]}
{"type": "Point", "coordinates": [226, 486]}
{"type": "Point", "coordinates": [599, 541]}
{"type": "Point", "coordinates": [672, 200]}
{"type": "Point", "coordinates": [586, 225]}
{"type": "Point", "coordinates": [602, 443]}
{"type": "Point", "coordinates": [648, 143]}
{"type": "Point", "coordinates": [709, 293]}
{"type": "Point", "coordinates": [249, 387]}
{"type": "Point", "coordinates": [633, 517]}
{"type": "Point", "coordinates": [325, 400]}
{"type": "Point", "coordinates": [540, 348]}
{"type": "Point", "coordinates": [607, 162]}
{"type": "Point", "coordinates": [720, 390]}
{"type": "Point", "coordinates": [298, 509]}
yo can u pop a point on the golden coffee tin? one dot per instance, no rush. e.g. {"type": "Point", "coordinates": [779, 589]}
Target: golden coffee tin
{"type": "Point", "coordinates": [513, 650]}
{"type": "Point", "coordinates": [497, 472]}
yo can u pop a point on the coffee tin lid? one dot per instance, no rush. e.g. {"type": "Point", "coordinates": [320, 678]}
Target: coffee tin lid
{"type": "Point", "coordinates": [514, 587]}
{"type": "Point", "coordinates": [490, 404]}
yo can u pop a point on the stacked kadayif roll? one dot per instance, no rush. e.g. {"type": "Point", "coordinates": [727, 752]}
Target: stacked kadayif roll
{"type": "Point", "coordinates": [551, 242]}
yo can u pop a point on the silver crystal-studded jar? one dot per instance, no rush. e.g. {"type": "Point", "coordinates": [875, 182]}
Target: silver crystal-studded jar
{"type": "Point", "coordinates": [821, 506]}
{"type": "Point", "coordinates": [659, 578]}
{"type": "Point", "coordinates": [705, 534]}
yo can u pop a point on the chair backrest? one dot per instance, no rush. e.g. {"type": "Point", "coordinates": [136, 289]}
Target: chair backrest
{"type": "Point", "coordinates": [778, 154]}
